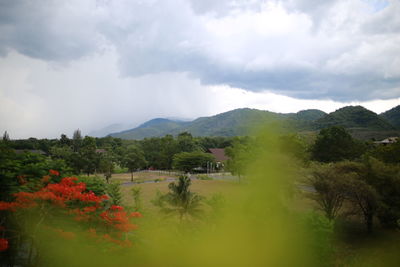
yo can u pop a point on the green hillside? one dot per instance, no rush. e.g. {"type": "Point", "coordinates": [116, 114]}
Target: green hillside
{"type": "Point", "coordinates": [304, 119]}
{"type": "Point", "coordinates": [309, 115]}
{"type": "Point", "coordinates": [231, 123]}
{"type": "Point", "coordinates": [354, 117]}
{"type": "Point", "coordinates": [154, 128]}
{"type": "Point", "coordinates": [392, 116]}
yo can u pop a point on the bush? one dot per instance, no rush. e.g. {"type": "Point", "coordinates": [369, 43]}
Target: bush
{"type": "Point", "coordinates": [114, 191]}
{"type": "Point", "coordinates": [95, 184]}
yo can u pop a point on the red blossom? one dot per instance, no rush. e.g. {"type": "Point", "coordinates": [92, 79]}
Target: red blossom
{"type": "Point", "coordinates": [115, 207]}
{"type": "Point", "coordinates": [3, 244]}
{"type": "Point", "coordinates": [54, 172]}
{"type": "Point", "coordinates": [72, 196]}
{"type": "Point", "coordinates": [8, 206]}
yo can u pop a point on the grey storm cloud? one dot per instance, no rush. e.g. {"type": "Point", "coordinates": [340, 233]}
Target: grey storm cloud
{"type": "Point", "coordinates": [48, 30]}
{"type": "Point", "coordinates": [342, 50]}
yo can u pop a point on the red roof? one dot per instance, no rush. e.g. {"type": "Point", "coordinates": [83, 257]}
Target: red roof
{"type": "Point", "coordinates": [219, 154]}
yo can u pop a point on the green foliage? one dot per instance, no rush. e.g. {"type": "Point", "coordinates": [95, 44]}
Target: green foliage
{"type": "Point", "coordinates": [77, 140]}
{"type": "Point", "coordinates": [95, 184]}
{"type": "Point", "coordinates": [330, 187]}
{"type": "Point", "coordinates": [106, 165]}
{"type": "Point", "coordinates": [188, 161]}
{"type": "Point", "coordinates": [180, 200]}
{"type": "Point", "coordinates": [137, 200]}
{"type": "Point", "coordinates": [385, 179]}
{"type": "Point", "coordinates": [389, 153]}
{"type": "Point", "coordinates": [133, 159]}
{"type": "Point", "coordinates": [9, 169]}
{"type": "Point", "coordinates": [118, 169]}
{"type": "Point", "coordinates": [354, 117]}
{"type": "Point", "coordinates": [114, 192]}
{"type": "Point", "coordinates": [371, 188]}
{"type": "Point", "coordinates": [335, 144]}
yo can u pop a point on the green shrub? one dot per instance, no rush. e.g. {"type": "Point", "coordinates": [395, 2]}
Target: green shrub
{"type": "Point", "coordinates": [114, 192]}
{"type": "Point", "coordinates": [94, 183]}
{"type": "Point", "coordinates": [137, 200]}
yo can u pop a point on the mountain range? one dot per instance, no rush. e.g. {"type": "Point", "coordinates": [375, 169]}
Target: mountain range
{"type": "Point", "coordinates": [361, 122]}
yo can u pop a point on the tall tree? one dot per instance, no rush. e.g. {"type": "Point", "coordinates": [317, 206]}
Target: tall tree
{"type": "Point", "coordinates": [88, 156]}
{"type": "Point", "coordinates": [64, 140]}
{"type": "Point", "coordinates": [335, 144]}
{"type": "Point", "coordinates": [186, 143]}
{"type": "Point", "coordinates": [134, 159]}
{"type": "Point", "coordinates": [77, 140]}
{"type": "Point", "coordinates": [330, 187]}
{"type": "Point", "coordinates": [106, 165]}
{"type": "Point", "coordinates": [188, 161]}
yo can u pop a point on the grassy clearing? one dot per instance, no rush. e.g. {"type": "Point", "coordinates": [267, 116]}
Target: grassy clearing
{"type": "Point", "coordinates": [142, 176]}
{"type": "Point", "coordinates": [203, 187]}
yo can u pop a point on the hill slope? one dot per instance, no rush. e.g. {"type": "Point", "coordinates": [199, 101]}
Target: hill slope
{"type": "Point", "coordinates": [154, 128]}
{"type": "Point", "coordinates": [231, 123]}
{"type": "Point", "coordinates": [392, 116]}
{"type": "Point", "coordinates": [354, 117]}
{"type": "Point", "coordinates": [309, 115]}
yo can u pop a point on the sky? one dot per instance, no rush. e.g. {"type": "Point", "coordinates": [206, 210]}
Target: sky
{"type": "Point", "coordinates": [89, 64]}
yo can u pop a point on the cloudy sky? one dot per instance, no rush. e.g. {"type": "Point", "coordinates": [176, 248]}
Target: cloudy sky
{"type": "Point", "coordinates": [88, 64]}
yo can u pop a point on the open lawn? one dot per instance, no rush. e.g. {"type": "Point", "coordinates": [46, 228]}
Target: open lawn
{"type": "Point", "coordinates": [203, 187]}
{"type": "Point", "coordinates": [143, 176]}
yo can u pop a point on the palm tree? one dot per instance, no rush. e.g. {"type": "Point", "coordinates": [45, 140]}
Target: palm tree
{"type": "Point", "coordinates": [180, 199]}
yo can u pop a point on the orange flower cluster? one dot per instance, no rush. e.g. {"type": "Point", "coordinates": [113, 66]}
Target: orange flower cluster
{"type": "Point", "coordinates": [73, 196]}
{"type": "Point", "coordinates": [119, 219]}
{"type": "Point", "coordinates": [60, 194]}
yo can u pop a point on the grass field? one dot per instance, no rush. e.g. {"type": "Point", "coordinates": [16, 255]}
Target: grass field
{"type": "Point", "coordinates": [148, 190]}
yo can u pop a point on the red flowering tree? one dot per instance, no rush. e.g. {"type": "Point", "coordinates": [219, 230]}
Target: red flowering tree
{"type": "Point", "coordinates": [67, 199]}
